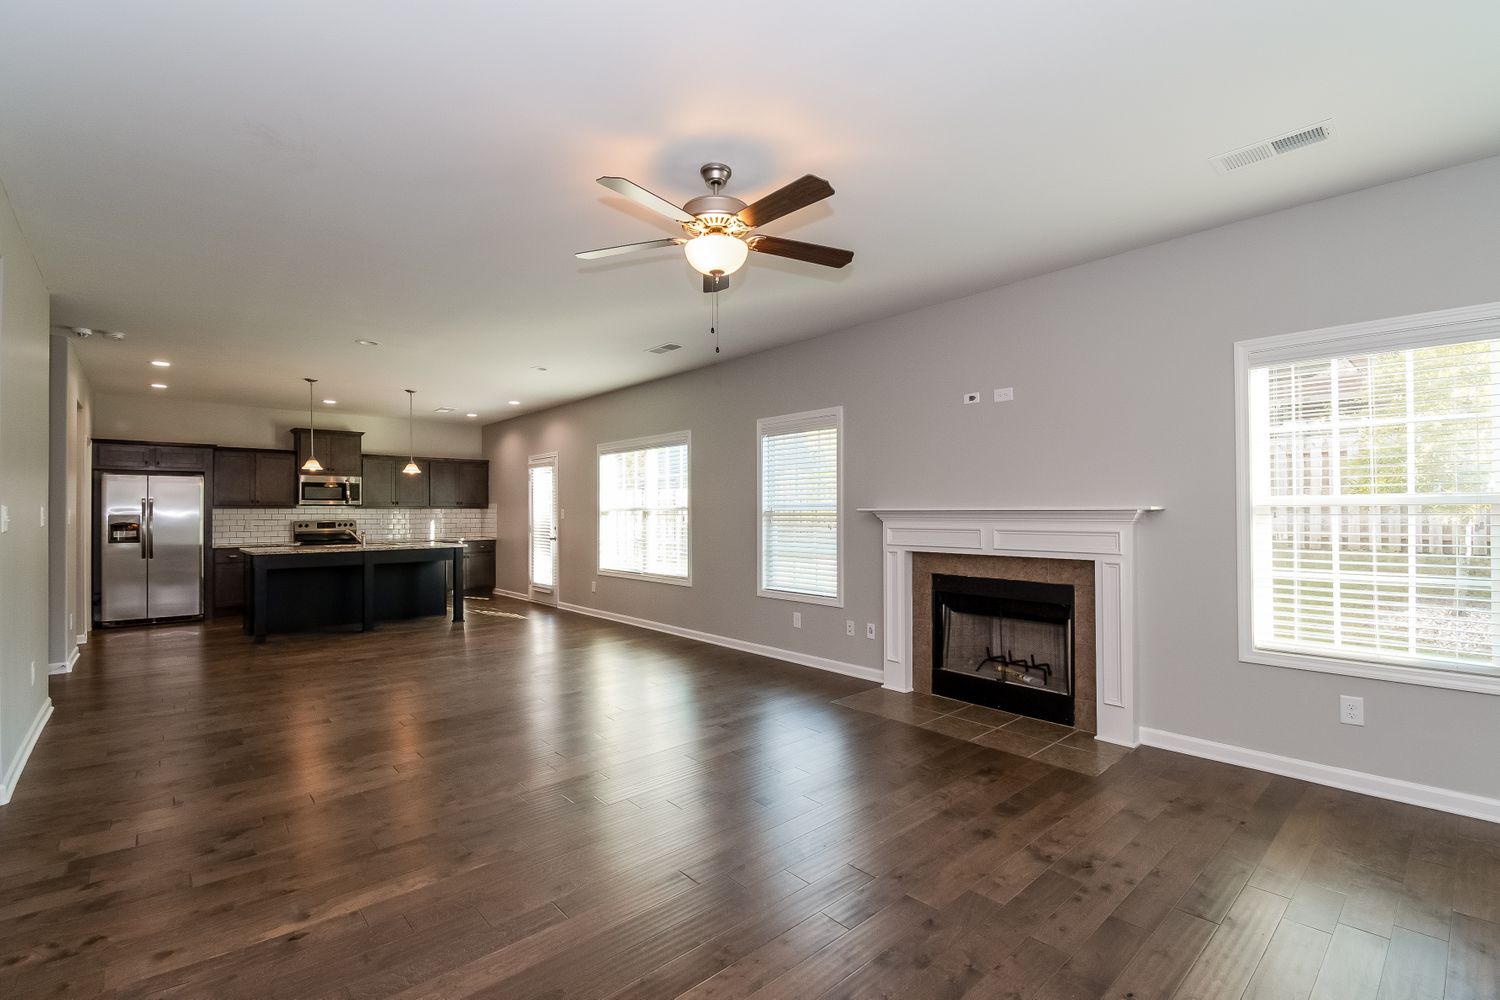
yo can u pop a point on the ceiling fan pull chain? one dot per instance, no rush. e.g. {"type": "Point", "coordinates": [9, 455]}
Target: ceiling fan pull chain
{"type": "Point", "coordinates": [713, 323]}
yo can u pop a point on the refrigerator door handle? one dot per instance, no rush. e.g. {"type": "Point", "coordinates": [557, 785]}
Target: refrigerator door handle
{"type": "Point", "coordinates": [150, 527]}
{"type": "Point", "coordinates": [142, 530]}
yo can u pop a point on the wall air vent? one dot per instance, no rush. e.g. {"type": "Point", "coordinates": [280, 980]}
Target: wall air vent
{"type": "Point", "coordinates": [663, 348]}
{"type": "Point", "coordinates": [1270, 148]}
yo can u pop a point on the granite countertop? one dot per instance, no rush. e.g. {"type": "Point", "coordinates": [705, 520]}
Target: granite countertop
{"type": "Point", "coordinates": [381, 546]}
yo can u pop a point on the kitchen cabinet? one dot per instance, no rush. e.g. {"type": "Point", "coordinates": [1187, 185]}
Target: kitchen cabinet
{"type": "Point", "coordinates": [413, 491]}
{"type": "Point", "coordinates": [245, 477]}
{"type": "Point", "coordinates": [229, 579]}
{"type": "Point", "coordinates": [459, 483]}
{"type": "Point", "coordinates": [139, 456]}
{"type": "Point", "coordinates": [339, 452]}
{"type": "Point", "coordinates": [385, 485]}
{"type": "Point", "coordinates": [479, 566]}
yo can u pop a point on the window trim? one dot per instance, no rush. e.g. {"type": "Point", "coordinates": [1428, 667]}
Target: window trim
{"type": "Point", "coordinates": [1431, 329]}
{"type": "Point", "coordinates": [641, 444]}
{"type": "Point", "coordinates": [787, 420]}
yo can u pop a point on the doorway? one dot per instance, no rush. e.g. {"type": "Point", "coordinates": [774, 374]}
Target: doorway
{"type": "Point", "coordinates": [541, 492]}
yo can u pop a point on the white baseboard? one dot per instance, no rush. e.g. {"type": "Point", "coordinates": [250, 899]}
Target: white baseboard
{"type": "Point", "coordinates": [1395, 789]}
{"type": "Point", "coordinates": [743, 645]}
{"type": "Point", "coordinates": [23, 753]}
{"type": "Point", "coordinates": [82, 638]}
{"type": "Point", "coordinates": [65, 667]}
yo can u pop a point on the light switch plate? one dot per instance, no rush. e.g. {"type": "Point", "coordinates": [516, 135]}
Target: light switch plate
{"type": "Point", "coordinates": [4, 518]}
{"type": "Point", "coordinates": [971, 397]}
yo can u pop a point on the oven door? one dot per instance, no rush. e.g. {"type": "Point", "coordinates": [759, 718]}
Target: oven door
{"type": "Point", "coordinates": [327, 491]}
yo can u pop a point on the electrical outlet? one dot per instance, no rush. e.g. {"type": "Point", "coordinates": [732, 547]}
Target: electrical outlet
{"type": "Point", "coordinates": [849, 627]}
{"type": "Point", "coordinates": [44, 515]}
{"type": "Point", "coordinates": [971, 397]}
{"type": "Point", "coordinates": [1351, 710]}
{"type": "Point", "coordinates": [593, 586]}
{"type": "Point", "coordinates": [1004, 395]}
{"type": "Point", "coordinates": [796, 619]}
{"type": "Point", "coordinates": [870, 630]}
{"type": "Point", "coordinates": [4, 518]}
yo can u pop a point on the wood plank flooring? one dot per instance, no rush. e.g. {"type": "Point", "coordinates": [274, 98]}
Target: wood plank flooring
{"type": "Point", "coordinates": [561, 807]}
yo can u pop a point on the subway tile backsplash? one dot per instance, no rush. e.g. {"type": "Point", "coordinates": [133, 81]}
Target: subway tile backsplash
{"type": "Point", "coordinates": [236, 526]}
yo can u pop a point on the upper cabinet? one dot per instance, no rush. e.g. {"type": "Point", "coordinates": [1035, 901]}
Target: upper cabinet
{"type": "Point", "coordinates": [337, 451]}
{"type": "Point", "coordinates": [444, 482]}
{"type": "Point", "coordinates": [143, 456]}
{"type": "Point", "coordinates": [460, 483]}
{"type": "Point", "coordinates": [245, 477]}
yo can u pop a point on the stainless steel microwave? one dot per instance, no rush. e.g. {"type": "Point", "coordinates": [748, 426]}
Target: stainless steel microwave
{"type": "Point", "coordinates": [328, 491]}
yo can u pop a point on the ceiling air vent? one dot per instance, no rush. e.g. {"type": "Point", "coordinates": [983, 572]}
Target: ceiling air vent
{"type": "Point", "coordinates": [664, 349]}
{"type": "Point", "coordinates": [1279, 146]}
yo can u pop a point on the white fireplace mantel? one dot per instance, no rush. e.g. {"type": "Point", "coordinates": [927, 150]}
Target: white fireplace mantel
{"type": "Point", "coordinates": [1105, 535]}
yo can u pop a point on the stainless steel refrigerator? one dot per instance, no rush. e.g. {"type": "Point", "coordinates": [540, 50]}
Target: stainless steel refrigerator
{"type": "Point", "coordinates": [150, 547]}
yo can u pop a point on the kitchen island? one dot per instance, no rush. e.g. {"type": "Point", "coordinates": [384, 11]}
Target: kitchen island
{"type": "Point", "coordinates": [295, 588]}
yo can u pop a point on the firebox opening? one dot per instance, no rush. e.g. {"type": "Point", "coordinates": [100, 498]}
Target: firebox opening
{"type": "Point", "coordinates": [1007, 644]}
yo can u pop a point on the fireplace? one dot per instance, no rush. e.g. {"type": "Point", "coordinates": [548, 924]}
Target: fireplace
{"type": "Point", "coordinates": [1007, 644]}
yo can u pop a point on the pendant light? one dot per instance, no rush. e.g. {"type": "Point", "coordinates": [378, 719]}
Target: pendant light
{"type": "Point", "coordinates": [411, 451]}
{"type": "Point", "coordinates": [312, 464]}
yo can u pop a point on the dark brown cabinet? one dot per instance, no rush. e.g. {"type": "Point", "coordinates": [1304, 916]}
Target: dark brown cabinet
{"type": "Point", "coordinates": [339, 452]}
{"type": "Point", "coordinates": [414, 491]}
{"type": "Point", "coordinates": [385, 485]}
{"type": "Point", "coordinates": [137, 456]}
{"type": "Point", "coordinates": [459, 483]}
{"type": "Point", "coordinates": [246, 477]}
{"type": "Point", "coordinates": [379, 481]}
{"type": "Point", "coordinates": [479, 566]}
{"type": "Point", "coordinates": [229, 579]}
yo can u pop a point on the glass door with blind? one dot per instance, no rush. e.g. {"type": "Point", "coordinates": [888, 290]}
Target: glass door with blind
{"type": "Point", "coordinates": [541, 489]}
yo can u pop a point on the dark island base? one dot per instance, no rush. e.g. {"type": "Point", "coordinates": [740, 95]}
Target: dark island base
{"type": "Point", "coordinates": [309, 591]}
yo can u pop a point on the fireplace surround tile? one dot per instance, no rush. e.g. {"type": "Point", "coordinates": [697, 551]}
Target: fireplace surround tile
{"type": "Point", "coordinates": [1077, 573]}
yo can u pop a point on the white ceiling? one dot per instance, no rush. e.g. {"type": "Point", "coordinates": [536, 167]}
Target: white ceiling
{"type": "Point", "coordinates": [246, 187]}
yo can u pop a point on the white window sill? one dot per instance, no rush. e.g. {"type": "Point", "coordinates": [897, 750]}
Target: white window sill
{"type": "Point", "coordinates": [787, 595]}
{"type": "Point", "coordinates": [620, 574]}
{"type": "Point", "coordinates": [1452, 680]}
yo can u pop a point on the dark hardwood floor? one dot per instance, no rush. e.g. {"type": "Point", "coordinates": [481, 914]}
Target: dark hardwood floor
{"type": "Point", "coordinates": [565, 808]}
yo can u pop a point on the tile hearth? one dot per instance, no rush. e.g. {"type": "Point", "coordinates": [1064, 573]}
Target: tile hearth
{"type": "Point", "coordinates": [1060, 746]}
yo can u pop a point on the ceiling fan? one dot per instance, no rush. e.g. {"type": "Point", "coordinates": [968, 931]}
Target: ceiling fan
{"type": "Point", "coordinates": [720, 228]}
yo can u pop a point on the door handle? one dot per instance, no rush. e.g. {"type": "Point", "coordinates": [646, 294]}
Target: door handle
{"type": "Point", "coordinates": [150, 527]}
{"type": "Point", "coordinates": [141, 528]}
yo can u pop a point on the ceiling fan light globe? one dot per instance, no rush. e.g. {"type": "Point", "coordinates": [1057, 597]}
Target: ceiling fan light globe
{"type": "Point", "coordinates": [715, 253]}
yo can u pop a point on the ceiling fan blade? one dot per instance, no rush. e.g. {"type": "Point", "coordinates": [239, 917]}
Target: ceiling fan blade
{"type": "Point", "coordinates": [800, 193]}
{"type": "Point", "coordinates": [627, 248]}
{"type": "Point", "coordinates": [636, 193]}
{"type": "Point", "coordinates": [813, 253]}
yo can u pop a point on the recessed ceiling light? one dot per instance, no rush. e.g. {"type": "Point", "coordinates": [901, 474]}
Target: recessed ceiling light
{"type": "Point", "coordinates": [158, 385]}
{"type": "Point", "coordinates": [329, 402]}
{"type": "Point", "coordinates": [366, 343]}
{"type": "Point", "coordinates": [471, 414]}
{"type": "Point", "coordinates": [443, 409]}
{"type": "Point", "coordinates": [515, 402]}
{"type": "Point", "coordinates": [162, 364]}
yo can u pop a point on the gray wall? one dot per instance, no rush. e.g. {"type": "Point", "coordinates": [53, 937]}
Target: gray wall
{"type": "Point", "coordinates": [24, 326]}
{"type": "Point", "coordinates": [69, 492]}
{"type": "Point", "coordinates": [156, 416]}
{"type": "Point", "coordinates": [1123, 376]}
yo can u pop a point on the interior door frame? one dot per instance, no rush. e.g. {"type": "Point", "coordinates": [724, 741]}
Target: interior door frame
{"type": "Point", "coordinates": [544, 594]}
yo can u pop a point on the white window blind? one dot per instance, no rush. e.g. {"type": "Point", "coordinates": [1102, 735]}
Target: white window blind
{"type": "Point", "coordinates": [643, 508]}
{"type": "Point", "coordinates": [799, 506]}
{"type": "Point", "coordinates": [1374, 480]}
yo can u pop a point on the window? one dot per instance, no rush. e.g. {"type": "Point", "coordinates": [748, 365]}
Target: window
{"type": "Point", "coordinates": [800, 491]}
{"type": "Point", "coordinates": [1370, 499]}
{"type": "Point", "coordinates": [643, 509]}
